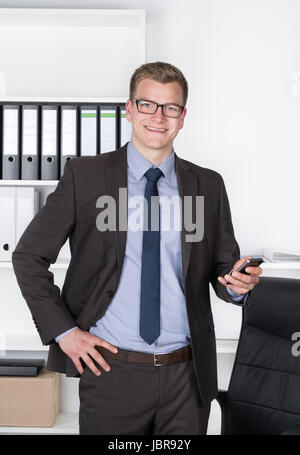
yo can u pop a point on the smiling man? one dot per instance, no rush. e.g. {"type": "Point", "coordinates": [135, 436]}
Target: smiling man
{"type": "Point", "coordinates": [134, 316]}
{"type": "Point", "coordinates": [153, 133]}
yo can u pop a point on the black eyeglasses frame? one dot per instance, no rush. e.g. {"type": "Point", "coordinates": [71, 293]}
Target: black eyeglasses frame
{"type": "Point", "coordinates": [136, 101]}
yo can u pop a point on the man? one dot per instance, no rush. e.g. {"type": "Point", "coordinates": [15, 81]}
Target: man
{"type": "Point", "coordinates": [134, 317]}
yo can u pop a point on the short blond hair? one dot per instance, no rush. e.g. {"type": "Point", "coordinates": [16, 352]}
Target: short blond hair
{"type": "Point", "coordinates": [160, 72]}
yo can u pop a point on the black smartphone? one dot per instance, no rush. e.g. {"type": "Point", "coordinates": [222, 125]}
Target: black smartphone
{"type": "Point", "coordinates": [253, 262]}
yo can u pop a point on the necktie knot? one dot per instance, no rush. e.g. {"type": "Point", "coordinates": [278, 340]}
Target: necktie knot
{"type": "Point", "coordinates": [153, 174]}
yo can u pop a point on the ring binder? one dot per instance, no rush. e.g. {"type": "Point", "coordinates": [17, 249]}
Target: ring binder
{"type": "Point", "coordinates": [68, 149]}
{"type": "Point", "coordinates": [49, 143]}
{"type": "Point", "coordinates": [88, 131]}
{"type": "Point", "coordinates": [125, 128]}
{"type": "Point", "coordinates": [108, 128]}
{"type": "Point", "coordinates": [11, 142]}
{"type": "Point", "coordinates": [30, 163]}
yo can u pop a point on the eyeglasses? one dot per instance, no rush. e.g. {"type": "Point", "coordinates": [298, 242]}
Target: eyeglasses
{"type": "Point", "coordinates": [150, 107]}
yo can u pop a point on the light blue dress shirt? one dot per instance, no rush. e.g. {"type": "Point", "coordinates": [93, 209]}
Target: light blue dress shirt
{"type": "Point", "coordinates": [120, 323]}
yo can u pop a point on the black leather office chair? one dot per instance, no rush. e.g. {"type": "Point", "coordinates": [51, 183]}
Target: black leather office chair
{"type": "Point", "coordinates": [264, 391]}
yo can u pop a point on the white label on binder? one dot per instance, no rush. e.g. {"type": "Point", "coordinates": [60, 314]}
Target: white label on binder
{"type": "Point", "coordinates": [29, 132]}
{"type": "Point", "coordinates": [49, 136]}
{"type": "Point", "coordinates": [69, 132]}
{"type": "Point", "coordinates": [108, 131]}
{"type": "Point", "coordinates": [125, 128]}
{"type": "Point", "coordinates": [88, 132]}
{"type": "Point", "coordinates": [10, 133]}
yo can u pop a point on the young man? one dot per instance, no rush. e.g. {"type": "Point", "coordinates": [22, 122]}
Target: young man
{"type": "Point", "coordinates": [134, 317]}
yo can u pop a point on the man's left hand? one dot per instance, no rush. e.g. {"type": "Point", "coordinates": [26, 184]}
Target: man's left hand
{"type": "Point", "coordinates": [240, 283]}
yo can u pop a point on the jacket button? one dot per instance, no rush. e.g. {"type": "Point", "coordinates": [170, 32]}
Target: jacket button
{"type": "Point", "coordinates": [110, 293]}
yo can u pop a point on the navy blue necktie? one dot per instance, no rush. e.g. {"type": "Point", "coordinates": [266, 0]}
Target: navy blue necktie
{"type": "Point", "coordinates": [150, 276]}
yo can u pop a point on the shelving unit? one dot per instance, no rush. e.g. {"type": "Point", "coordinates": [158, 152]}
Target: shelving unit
{"type": "Point", "coordinates": [80, 52]}
{"type": "Point", "coordinates": [66, 423]}
{"type": "Point", "coordinates": [81, 59]}
{"type": "Point", "coordinates": [28, 182]}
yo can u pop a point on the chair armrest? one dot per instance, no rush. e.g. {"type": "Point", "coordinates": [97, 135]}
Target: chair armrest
{"type": "Point", "coordinates": [222, 400]}
{"type": "Point", "coordinates": [295, 431]}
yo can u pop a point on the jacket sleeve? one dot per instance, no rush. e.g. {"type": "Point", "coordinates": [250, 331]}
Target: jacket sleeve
{"type": "Point", "coordinates": [227, 250]}
{"type": "Point", "coordinates": [37, 248]}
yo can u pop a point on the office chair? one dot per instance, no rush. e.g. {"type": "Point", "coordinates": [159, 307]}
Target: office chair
{"type": "Point", "coordinates": [264, 391]}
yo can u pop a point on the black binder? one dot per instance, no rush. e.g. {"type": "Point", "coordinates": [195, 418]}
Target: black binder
{"type": "Point", "coordinates": [20, 367]}
{"type": "Point", "coordinates": [30, 165]}
{"type": "Point", "coordinates": [49, 143]}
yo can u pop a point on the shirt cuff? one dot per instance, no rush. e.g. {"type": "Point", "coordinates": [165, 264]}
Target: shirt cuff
{"type": "Point", "coordinates": [236, 297]}
{"type": "Point", "coordinates": [65, 333]}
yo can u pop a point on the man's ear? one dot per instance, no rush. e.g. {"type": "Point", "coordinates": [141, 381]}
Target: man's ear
{"type": "Point", "coordinates": [128, 109]}
{"type": "Point", "coordinates": [182, 118]}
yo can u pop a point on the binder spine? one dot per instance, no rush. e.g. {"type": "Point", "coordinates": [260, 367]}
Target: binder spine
{"type": "Point", "coordinates": [59, 135]}
{"type": "Point", "coordinates": [88, 130]}
{"type": "Point", "coordinates": [109, 130]}
{"type": "Point", "coordinates": [49, 143]}
{"type": "Point", "coordinates": [125, 126]}
{"type": "Point", "coordinates": [11, 130]}
{"type": "Point", "coordinates": [118, 129]}
{"type": "Point", "coordinates": [98, 130]}
{"type": "Point", "coordinates": [39, 143]}
{"type": "Point", "coordinates": [23, 152]}
{"type": "Point", "coordinates": [69, 127]}
{"type": "Point", "coordinates": [1, 142]}
{"type": "Point", "coordinates": [77, 132]}
{"type": "Point", "coordinates": [30, 154]}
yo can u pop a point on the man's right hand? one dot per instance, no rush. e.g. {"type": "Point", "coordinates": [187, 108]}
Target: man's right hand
{"type": "Point", "coordinates": [80, 344]}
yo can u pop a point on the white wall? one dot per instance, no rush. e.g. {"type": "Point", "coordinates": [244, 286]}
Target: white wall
{"type": "Point", "coordinates": [239, 57]}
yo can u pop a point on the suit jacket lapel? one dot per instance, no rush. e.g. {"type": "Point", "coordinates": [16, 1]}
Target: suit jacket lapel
{"type": "Point", "coordinates": [187, 186]}
{"type": "Point", "coordinates": [116, 177]}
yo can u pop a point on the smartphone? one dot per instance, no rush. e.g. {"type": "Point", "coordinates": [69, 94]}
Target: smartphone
{"type": "Point", "coordinates": [253, 262]}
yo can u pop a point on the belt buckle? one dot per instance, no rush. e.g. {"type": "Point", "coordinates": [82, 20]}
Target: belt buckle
{"type": "Point", "coordinates": [155, 360]}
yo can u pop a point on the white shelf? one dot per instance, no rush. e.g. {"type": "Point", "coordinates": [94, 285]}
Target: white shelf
{"type": "Point", "coordinates": [21, 343]}
{"type": "Point", "coordinates": [68, 46]}
{"type": "Point", "coordinates": [280, 265]}
{"type": "Point", "coordinates": [66, 423]}
{"type": "Point", "coordinates": [60, 99]}
{"type": "Point", "coordinates": [28, 182]}
{"type": "Point", "coordinates": [226, 346]}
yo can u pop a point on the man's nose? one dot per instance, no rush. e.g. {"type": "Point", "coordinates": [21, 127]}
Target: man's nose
{"type": "Point", "coordinates": [159, 114]}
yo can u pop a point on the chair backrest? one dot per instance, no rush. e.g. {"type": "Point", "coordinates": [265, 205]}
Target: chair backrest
{"type": "Point", "coordinates": [264, 391]}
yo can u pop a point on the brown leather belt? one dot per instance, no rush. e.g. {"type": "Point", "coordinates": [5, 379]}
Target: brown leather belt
{"type": "Point", "coordinates": [157, 360]}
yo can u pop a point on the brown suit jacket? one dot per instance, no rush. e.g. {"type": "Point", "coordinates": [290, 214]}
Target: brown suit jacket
{"type": "Point", "coordinates": [97, 257]}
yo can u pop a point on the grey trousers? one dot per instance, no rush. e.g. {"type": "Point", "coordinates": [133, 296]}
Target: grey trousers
{"type": "Point", "coordinates": [141, 399]}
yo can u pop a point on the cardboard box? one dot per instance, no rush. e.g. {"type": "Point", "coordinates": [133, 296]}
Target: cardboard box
{"type": "Point", "coordinates": [29, 401]}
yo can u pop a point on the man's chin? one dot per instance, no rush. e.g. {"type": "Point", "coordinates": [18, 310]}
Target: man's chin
{"type": "Point", "coordinates": [156, 144]}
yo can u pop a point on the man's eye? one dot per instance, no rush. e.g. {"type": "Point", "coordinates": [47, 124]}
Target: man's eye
{"type": "Point", "coordinates": [172, 108]}
{"type": "Point", "coordinates": [146, 104]}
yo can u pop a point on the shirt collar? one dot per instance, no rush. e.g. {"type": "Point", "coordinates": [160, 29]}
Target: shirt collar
{"type": "Point", "coordinates": [138, 164]}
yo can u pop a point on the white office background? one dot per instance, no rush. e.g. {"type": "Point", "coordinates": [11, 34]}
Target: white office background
{"type": "Point", "coordinates": [242, 62]}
